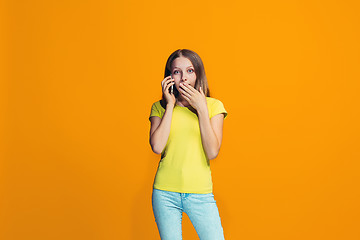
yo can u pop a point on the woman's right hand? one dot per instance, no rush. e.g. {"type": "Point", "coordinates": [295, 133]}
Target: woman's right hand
{"type": "Point", "coordinates": [166, 84]}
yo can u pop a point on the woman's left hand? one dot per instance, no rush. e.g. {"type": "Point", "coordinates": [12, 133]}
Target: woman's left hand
{"type": "Point", "coordinates": [195, 98]}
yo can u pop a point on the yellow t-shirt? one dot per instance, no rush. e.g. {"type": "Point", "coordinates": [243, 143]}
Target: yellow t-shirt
{"type": "Point", "coordinates": [184, 166]}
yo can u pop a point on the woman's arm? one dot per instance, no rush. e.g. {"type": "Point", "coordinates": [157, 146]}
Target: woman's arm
{"type": "Point", "coordinates": [160, 130]}
{"type": "Point", "coordinates": [210, 129]}
{"type": "Point", "coordinates": [211, 132]}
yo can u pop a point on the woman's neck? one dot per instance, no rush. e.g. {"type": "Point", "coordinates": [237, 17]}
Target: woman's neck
{"type": "Point", "coordinates": [182, 103]}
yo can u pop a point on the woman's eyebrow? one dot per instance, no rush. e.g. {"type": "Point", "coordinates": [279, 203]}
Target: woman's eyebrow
{"type": "Point", "coordinates": [186, 67]}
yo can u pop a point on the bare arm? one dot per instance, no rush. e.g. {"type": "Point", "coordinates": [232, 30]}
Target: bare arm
{"type": "Point", "coordinates": [211, 133]}
{"type": "Point", "coordinates": [210, 129]}
{"type": "Point", "coordinates": [160, 130]}
{"type": "Point", "coordinates": [160, 127]}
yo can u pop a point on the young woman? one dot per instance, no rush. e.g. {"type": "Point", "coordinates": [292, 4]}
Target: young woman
{"type": "Point", "coordinates": [186, 129]}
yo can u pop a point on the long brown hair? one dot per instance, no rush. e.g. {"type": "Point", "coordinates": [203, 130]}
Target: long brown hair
{"type": "Point", "coordinates": [201, 80]}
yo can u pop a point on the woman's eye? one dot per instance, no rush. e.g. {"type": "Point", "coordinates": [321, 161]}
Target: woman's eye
{"type": "Point", "coordinates": [175, 72]}
{"type": "Point", "coordinates": [191, 70]}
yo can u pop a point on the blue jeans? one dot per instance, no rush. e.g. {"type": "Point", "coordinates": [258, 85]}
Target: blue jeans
{"type": "Point", "coordinates": [168, 208]}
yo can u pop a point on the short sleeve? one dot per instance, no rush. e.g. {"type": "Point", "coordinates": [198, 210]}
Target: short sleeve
{"type": "Point", "coordinates": [217, 108]}
{"type": "Point", "coordinates": [155, 111]}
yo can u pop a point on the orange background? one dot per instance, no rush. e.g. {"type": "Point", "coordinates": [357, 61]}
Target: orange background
{"type": "Point", "coordinates": [78, 81]}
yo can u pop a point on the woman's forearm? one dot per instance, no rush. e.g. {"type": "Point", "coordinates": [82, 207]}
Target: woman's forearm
{"type": "Point", "coordinates": [209, 140]}
{"type": "Point", "coordinates": [160, 136]}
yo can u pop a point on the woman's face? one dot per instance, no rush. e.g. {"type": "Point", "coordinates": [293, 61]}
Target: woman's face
{"type": "Point", "coordinates": [183, 71]}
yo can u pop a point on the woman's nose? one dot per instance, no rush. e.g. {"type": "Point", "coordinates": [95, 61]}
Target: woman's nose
{"type": "Point", "coordinates": [183, 78]}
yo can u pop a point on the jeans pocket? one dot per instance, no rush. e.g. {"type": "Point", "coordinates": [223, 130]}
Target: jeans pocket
{"type": "Point", "coordinates": [203, 198]}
